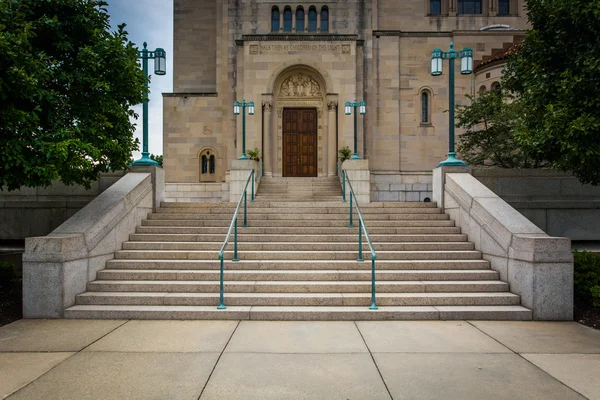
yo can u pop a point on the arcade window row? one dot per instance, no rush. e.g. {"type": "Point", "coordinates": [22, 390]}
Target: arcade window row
{"type": "Point", "coordinates": [299, 20]}
{"type": "Point", "coordinates": [474, 7]}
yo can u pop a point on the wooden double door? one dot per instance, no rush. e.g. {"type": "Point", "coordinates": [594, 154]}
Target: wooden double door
{"type": "Point", "coordinates": [299, 142]}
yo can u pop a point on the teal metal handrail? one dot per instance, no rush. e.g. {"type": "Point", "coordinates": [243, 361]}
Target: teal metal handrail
{"type": "Point", "coordinates": [361, 227]}
{"type": "Point", "coordinates": [233, 226]}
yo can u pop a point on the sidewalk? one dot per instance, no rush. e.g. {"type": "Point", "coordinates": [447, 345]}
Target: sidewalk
{"type": "Point", "coordinates": [79, 359]}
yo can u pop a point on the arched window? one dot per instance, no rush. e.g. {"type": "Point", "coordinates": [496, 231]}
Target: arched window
{"type": "Point", "coordinates": [469, 6]}
{"type": "Point", "coordinates": [204, 164]}
{"type": "Point", "coordinates": [300, 19]}
{"type": "Point", "coordinates": [496, 86]}
{"type": "Point", "coordinates": [435, 7]}
{"type": "Point", "coordinates": [275, 19]}
{"type": "Point", "coordinates": [212, 163]}
{"type": "Point", "coordinates": [312, 19]}
{"type": "Point", "coordinates": [324, 19]}
{"type": "Point", "coordinates": [287, 19]}
{"type": "Point", "coordinates": [425, 107]}
{"type": "Point", "coordinates": [482, 90]}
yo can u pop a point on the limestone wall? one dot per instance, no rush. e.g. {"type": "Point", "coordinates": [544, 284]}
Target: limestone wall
{"type": "Point", "coordinates": [401, 187]}
{"type": "Point", "coordinates": [197, 192]}
{"type": "Point", "coordinates": [38, 211]}
{"type": "Point", "coordinates": [554, 201]}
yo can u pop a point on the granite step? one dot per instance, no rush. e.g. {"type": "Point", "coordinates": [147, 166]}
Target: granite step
{"type": "Point", "coordinates": [244, 237]}
{"type": "Point", "coordinates": [322, 223]}
{"type": "Point", "coordinates": [301, 246]}
{"type": "Point", "coordinates": [182, 286]}
{"type": "Point", "coordinates": [295, 255]}
{"type": "Point", "coordinates": [169, 229]}
{"type": "Point", "coordinates": [254, 208]}
{"type": "Point", "coordinates": [298, 265]}
{"type": "Point", "coordinates": [300, 313]}
{"type": "Point", "coordinates": [295, 275]}
{"type": "Point", "coordinates": [283, 204]}
{"type": "Point", "coordinates": [299, 299]}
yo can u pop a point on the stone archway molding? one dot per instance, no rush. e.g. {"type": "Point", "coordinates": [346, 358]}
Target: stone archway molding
{"type": "Point", "coordinates": [299, 62]}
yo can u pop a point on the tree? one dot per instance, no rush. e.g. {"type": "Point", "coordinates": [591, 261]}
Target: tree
{"type": "Point", "coordinates": [158, 159]}
{"type": "Point", "coordinates": [555, 75]}
{"type": "Point", "coordinates": [489, 137]}
{"type": "Point", "coordinates": [67, 84]}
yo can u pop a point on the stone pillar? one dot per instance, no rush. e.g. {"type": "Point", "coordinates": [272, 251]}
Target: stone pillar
{"type": "Point", "coordinates": [360, 176]}
{"type": "Point", "coordinates": [293, 20]}
{"type": "Point", "coordinates": [281, 20]}
{"type": "Point", "coordinates": [158, 182]}
{"type": "Point", "coordinates": [331, 136]}
{"type": "Point", "coordinates": [238, 177]}
{"type": "Point", "coordinates": [439, 181]}
{"type": "Point", "coordinates": [268, 129]}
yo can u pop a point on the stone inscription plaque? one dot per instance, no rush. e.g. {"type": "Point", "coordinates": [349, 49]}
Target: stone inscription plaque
{"type": "Point", "coordinates": [279, 48]}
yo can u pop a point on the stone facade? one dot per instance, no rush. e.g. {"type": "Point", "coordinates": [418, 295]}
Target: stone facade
{"type": "Point", "coordinates": [376, 50]}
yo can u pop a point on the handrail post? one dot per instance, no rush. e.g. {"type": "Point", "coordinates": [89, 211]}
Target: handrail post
{"type": "Point", "coordinates": [221, 303]}
{"type": "Point", "coordinates": [235, 244]}
{"type": "Point", "coordinates": [252, 178]}
{"type": "Point", "coordinates": [360, 256]}
{"type": "Point", "coordinates": [350, 226]}
{"type": "Point", "coordinates": [343, 186]}
{"type": "Point", "coordinates": [373, 303]}
{"type": "Point", "coordinates": [245, 208]}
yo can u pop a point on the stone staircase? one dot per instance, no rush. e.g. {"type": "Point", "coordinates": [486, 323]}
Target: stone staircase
{"type": "Point", "coordinates": [298, 262]}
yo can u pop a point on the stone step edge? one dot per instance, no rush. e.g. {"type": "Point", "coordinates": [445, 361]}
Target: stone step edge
{"type": "Point", "coordinates": [302, 313]}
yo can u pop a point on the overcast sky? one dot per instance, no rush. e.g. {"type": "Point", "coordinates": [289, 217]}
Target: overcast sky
{"type": "Point", "coordinates": [149, 21]}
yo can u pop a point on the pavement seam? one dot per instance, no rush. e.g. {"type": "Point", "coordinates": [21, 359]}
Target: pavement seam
{"type": "Point", "coordinates": [74, 353]}
{"type": "Point", "coordinates": [529, 362]}
{"type": "Point", "coordinates": [374, 362]}
{"type": "Point", "coordinates": [218, 359]}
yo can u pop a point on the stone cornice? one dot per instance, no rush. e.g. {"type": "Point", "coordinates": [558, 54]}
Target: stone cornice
{"type": "Point", "coordinates": [515, 32]}
{"type": "Point", "coordinates": [191, 94]}
{"type": "Point", "coordinates": [299, 38]}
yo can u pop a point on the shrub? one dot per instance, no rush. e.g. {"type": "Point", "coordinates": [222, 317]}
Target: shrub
{"type": "Point", "coordinates": [587, 277]}
{"type": "Point", "coordinates": [254, 154]}
{"type": "Point", "coordinates": [344, 153]}
{"type": "Point", "coordinates": [8, 272]}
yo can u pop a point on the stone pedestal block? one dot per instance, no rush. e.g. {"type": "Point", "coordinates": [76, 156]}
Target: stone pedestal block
{"type": "Point", "coordinates": [439, 180]}
{"type": "Point", "coordinates": [240, 169]}
{"type": "Point", "coordinates": [157, 174]}
{"type": "Point", "coordinates": [357, 171]}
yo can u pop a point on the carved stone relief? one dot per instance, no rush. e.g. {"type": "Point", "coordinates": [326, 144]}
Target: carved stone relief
{"type": "Point", "coordinates": [300, 85]}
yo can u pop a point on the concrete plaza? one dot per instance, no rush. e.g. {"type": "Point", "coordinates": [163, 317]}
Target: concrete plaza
{"type": "Point", "coordinates": [85, 359]}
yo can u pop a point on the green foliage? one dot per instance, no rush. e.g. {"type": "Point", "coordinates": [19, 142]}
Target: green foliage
{"type": "Point", "coordinates": [587, 277]}
{"type": "Point", "coordinates": [554, 74]}
{"type": "Point", "coordinates": [158, 159]}
{"type": "Point", "coordinates": [8, 272]}
{"type": "Point", "coordinates": [344, 153]}
{"type": "Point", "coordinates": [488, 138]}
{"type": "Point", "coordinates": [253, 154]}
{"type": "Point", "coordinates": [67, 85]}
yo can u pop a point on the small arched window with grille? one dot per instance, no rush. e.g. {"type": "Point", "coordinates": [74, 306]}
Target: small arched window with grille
{"type": "Point", "coordinates": [275, 19]}
{"type": "Point", "coordinates": [324, 19]}
{"type": "Point", "coordinates": [300, 19]}
{"type": "Point", "coordinates": [482, 89]}
{"type": "Point", "coordinates": [495, 86]}
{"type": "Point", "coordinates": [287, 19]}
{"type": "Point", "coordinates": [312, 19]}
{"type": "Point", "coordinates": [425, 99]}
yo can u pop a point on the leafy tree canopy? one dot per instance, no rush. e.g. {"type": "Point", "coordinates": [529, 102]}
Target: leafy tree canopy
{"type": "Point", "coordinates": [67, 84]}
{"type": "Point", "coordinates": [555, 76]}
{"type": "Point", "coordinates": [488, 138]}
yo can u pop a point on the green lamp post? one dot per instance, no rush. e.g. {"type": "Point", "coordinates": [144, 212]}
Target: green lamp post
{"type": "Point", "coordinates": [236, 111]}
{"type": "Point", "coordinates": [466, 68]}
{"type": "Point", "coordinates": [362, 109]}
{"type": "Point", "coordinates": [160, 68]}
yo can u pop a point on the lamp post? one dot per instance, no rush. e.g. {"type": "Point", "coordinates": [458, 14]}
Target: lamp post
{"type": "Point", "coordinates": [160, 68]}
{"type": "Point", "coordinates": [236, 111]}
{"type": "Point", "coordinates": [362, 109]}
{"type": "Point", "coordinates": [466, 68]}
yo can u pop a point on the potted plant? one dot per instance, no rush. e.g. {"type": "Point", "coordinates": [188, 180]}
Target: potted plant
{"type": "Point", "coordinates": [344, 153]}
{"type": "Point", "coordinates": [253, 154]}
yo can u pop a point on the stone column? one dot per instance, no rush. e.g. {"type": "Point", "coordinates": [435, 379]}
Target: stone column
{"type": "Point", "coordinates": [238, 177]}
{"type": "Point", "coordinates": [268, 129]}
{"type": "Point", "coordinates": [331, 136]}
{"type": "Point", "coordinates": [360, 176]}
{"type": "Point", "coordinates": [293, 20]}
{"type": "Point", "coordinates": [318, 21]}
{"type": "Point", "coordinates": [281, 20]}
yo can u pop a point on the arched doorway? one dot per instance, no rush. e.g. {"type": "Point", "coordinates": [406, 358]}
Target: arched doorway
{"type": "Point", "coordinates": [300, 137]}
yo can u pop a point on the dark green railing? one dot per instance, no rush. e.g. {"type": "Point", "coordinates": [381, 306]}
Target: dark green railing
{"type": "Point", "coordinates": [233, 226]}
{"type": "Point", "coordinates": [361, 229]}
